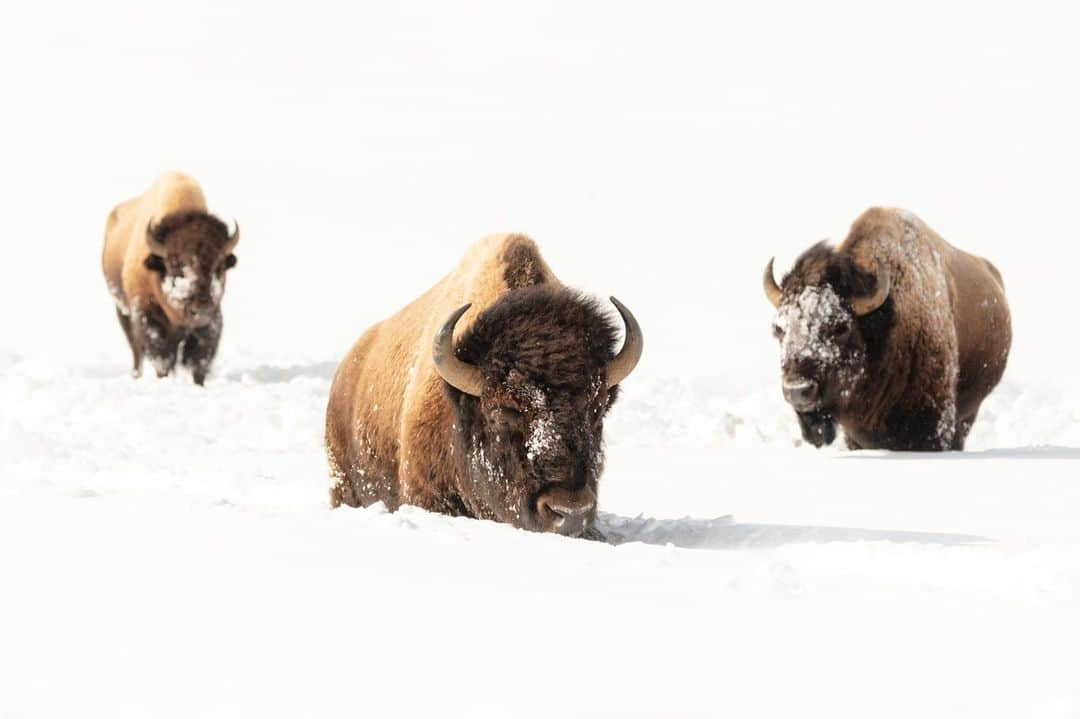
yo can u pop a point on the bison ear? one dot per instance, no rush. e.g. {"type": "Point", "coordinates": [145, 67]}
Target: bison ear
{"type": "Point", "coordinates": [230, 261]}
{"type": "Point", "coordinates": [865, 304]}
{"type": "Point", "coordinates": [155, 264]}
{"type": "Point", "coordinates": [153, 242]}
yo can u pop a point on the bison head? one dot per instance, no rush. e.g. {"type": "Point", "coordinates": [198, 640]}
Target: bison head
{"type": "Point", "coordinates": [830, 311]}
{"type": "Point", "coordinates": [530, 383]}
{"type": "Point", "coordinates": [191, 251]}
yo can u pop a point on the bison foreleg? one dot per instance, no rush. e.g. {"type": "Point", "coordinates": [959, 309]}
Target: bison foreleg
{"type": "Point", "coordinates": [199, 349]}
{"type": "Point", "coordinates": [931, 427]}
{"type": "Point", "coordinates": [155, 339]}
{"type": "Point", "coordinates": [136, 353]}
{"type": "Point", "coordinates": [163, 359]}
{"type": "Point", "coordinates": [962, 429]}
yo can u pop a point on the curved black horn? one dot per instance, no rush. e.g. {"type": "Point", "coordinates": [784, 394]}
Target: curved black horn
{"type": "Point", "coordinates": [462, 376]}
{"type": "Point", "coordinates": [768, 281]}
{"type": "Point", "coordinates": [233, 238]}
{"type": "Point", "coordinates": [620, 367]}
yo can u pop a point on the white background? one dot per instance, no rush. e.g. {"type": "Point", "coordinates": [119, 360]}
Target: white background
{"type": "Point", "coordinates": [659, 154]}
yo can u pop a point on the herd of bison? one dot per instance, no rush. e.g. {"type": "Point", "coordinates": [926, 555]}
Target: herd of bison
{"type": "Point", "coordinates": [485, 397]}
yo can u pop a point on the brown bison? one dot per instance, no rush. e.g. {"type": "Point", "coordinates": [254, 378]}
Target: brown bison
{"type": "Point", "coordinates": [896, 335]}
{"type": "Point", "coordinates": [165, 260]}
{"type": "Point", "coordinates": [494, 413]}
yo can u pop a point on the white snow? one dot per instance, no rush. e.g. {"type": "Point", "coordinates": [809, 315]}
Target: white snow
{"type": "Point", "coordinates": [807, 322]}
{"type": "Point", "coordinates": [167, 551]}
{"type": "Point", "coordinates": [178, 289]}
{"type": "Point", "coordinates": [155, 532]}
{"type": "Point", "coordinates": [543, 433]}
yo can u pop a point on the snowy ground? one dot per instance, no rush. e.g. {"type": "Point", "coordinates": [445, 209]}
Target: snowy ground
{"type": "Point", "coordinates": [166, 541]}
{"type": "Point", "coordinates": [167, 551]}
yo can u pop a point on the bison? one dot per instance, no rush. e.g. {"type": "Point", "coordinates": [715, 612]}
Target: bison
{"type": "Point", "coordinates": [165, 261]}
{"type": "Point", "coordinates": [896, 335]}
{"type": "Point", "coordinates": [485, 397]}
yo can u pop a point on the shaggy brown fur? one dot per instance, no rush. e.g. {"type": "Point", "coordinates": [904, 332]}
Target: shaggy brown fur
{"type": "Point", "coordinates": [911, 374]}
{"type": "Point", "coordinates": [169, 306]}
{"type": "Point", "coordinates": [397, 433]}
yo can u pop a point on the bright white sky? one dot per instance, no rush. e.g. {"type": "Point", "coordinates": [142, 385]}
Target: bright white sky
{"type": "Point", "coordinates": [658, 152]}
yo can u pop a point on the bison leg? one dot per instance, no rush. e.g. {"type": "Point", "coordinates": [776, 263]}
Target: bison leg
{"type": "Point", "coordinates": [157, 340]}
{"type": "Point", "coordinates": [199, 349]}
{"type": "Point", "coordinates": [342, 490]}
{"type": "Point", "coordinates": [962, 429]}
{"type": "Point", "coordinates": [164, 361]}
{"type": "Point", "coordinates": [921, 429]}
{"type": "Point", "coordinates": [136, 354]}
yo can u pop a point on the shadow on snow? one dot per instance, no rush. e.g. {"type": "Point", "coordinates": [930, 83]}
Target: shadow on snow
{"type": "Point", "coordinates": [1036, 452]}
{"type": "Point", "coordinates": [726, 533]}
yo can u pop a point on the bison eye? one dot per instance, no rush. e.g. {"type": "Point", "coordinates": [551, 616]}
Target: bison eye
{"type": "Point", "coordinates": [508, 418]}
{"type": "Point", "coordinates": [841, 331]}
{"type": "Point", "coordinates": [778, 331]}
{"type": "Point", "coordinates": [154, 263]}
{"type": "Point", "coordinates": [230, 262]}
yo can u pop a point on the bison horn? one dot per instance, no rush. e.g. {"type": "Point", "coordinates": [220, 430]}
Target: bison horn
{"type": "Point", "coordinates": [462, 376]}
{"type": "Point", "coordinates": [867, 304]}
{"type": "Point", "coordinates": [156, 247]}
{"type": "Point", "coordinates": [623, 364]}
{"type": "Point", "coordinates": [772, 291]}
{"type": "Point", "coordinates": [233, 238]}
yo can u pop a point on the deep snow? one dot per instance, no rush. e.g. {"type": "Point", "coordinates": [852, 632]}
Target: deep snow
{"type": "Point", "coordinates": [167, 550]}
{"type": "Point", "coordinates": [166, 541]}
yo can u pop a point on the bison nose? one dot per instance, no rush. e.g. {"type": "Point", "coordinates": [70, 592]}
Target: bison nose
{"type": "Point", "coordinates": [200, 317]}
{"type": "Point", "coordinates": [802, 394]}
{"type": "Point", "coordinates": [566, 512]}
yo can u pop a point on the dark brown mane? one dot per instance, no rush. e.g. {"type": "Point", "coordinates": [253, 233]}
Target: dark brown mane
{"type": "Point", "coordinates": [523, 267]}
{"type": "Point", "coordinates": [557, 336]}
{"type": "Point", "coordinates": [195, 224]}
{"type": "Point", "coordinates": [822, 264]}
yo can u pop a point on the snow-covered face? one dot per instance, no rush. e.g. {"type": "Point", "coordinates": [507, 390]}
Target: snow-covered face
{"type": "Point", "coordinates": [192, 291]}
{"type": "Point", "coordinates": [821, 349]}
{"type": "Point", "coordinates": [535, 453]}
{"type": "Point", "coordinates": [190, 254]}
{"type": "Point", "coordinates": [192, 286]}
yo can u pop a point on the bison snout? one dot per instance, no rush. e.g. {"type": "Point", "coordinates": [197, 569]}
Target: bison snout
{"type": "Point", "coordinates": [200, 317]}
{"type": "Point", "coordinates": [803, 394]}
{"type": "Point", "coordinates": [566, 512]}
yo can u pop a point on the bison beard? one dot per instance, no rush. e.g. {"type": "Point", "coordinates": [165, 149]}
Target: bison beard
{"type": "Point", "coordinates": [818, 428]}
